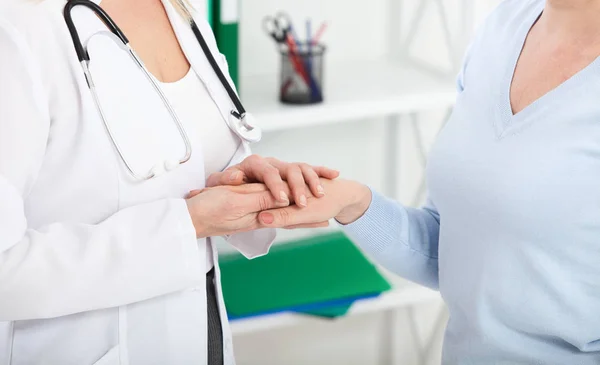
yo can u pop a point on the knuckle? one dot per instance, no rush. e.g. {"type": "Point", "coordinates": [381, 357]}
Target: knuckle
{"type": "Point", "coordinates": [285, 217]}
{"type": "Point", "coordinates": [264, 202]}
{"type": "Point", "coordinates": [295, 174]}
{"type": "Point", "coordinates": [227, 171]}
{"type": "Point", "coordinates": [253, 159]}
{"type": "Point", "coordinates": [310, 172]}
{"type": "Point", "coordinates": [218, 177]}
{"type": "Point", "coordinates": [271, 170]}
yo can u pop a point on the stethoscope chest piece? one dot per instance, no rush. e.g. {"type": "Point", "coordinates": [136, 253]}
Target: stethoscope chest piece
{"type": "Point", "coordinates": [245, 127]}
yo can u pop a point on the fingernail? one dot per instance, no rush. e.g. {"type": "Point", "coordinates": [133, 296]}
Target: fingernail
{"type": "Point", "coordinates": [283, 197]}
{"type": "Point", "coordinates": [267, 218]}
{"type": "Point", "coordinates": [303, 201]}
{"type": "Point", "coordinates": [234, 176]}
{"type": "Point", "coordinates": [320, 190]}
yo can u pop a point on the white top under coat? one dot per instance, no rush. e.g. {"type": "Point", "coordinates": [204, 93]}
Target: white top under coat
{"type": "Point", "coordinates": [193, 105]}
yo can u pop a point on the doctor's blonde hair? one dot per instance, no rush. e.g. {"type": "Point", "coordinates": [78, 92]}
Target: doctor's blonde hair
{"type": "Point", "coordinates": [182, 7]}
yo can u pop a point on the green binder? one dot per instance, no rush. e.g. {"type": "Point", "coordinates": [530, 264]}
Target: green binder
{"type": "Point", "coordinates": [226, 26]}
{"type": "Point", "coordinates": [210, 12]}
{"type": "Point", "coordinates": [321, 276]}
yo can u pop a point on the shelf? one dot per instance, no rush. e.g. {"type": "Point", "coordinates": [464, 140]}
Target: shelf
{"type": "Point", "coordinates": [400, 297]}
{"type": "Point", "coordinates": [353, 92]}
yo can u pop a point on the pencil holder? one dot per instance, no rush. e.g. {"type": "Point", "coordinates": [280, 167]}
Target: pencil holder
{"type": "Point", "coordinates": [302, 75]}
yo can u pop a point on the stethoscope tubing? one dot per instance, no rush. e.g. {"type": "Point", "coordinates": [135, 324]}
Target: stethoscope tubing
{"type": "Point", "coordinates": [115, 33]}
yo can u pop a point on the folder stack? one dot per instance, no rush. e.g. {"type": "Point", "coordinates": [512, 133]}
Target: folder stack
{"type": "Point", "coordinates": [321, 276]}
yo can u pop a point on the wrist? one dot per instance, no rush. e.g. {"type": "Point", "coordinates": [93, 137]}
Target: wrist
{"type": "Point", "coordinates": [358, 202]}
{"type": "Point", "coordinates": [197, 219]}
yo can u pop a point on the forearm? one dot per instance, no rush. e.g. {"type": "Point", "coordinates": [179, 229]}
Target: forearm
{"type": "Point", "coordinates": [404, 240]}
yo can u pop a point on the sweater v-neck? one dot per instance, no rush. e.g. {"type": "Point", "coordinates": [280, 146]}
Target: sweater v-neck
{"type": "Point", "coordinates": [507, 122]}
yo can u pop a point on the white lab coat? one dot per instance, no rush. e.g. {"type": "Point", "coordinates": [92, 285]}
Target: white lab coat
{"type": "Point", "coordinates": [95, 268]}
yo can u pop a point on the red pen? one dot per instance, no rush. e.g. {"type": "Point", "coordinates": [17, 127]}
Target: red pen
{"type": "Point", "coordinates": [319, 34]}
{"type": "Point", "coordinates": [295, 58]}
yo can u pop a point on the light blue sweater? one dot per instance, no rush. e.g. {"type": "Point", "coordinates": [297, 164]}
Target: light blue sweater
{"type": "Point", "coordinates": [511, 232]}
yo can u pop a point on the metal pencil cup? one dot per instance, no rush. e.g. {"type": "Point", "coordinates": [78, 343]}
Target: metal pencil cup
{"type": "Point", "coordinates": [302, 75]}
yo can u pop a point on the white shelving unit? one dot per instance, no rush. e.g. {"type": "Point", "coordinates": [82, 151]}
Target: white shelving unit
{"type": "Point", "coordinates": [383, 89]}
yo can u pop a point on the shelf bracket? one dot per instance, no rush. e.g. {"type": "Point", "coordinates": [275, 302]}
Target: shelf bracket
{"type": "Point", "coordinates": [455, 44]}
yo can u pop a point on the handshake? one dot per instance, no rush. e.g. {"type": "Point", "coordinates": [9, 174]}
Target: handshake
{"type": "Point", "coordinates": [267, 193]}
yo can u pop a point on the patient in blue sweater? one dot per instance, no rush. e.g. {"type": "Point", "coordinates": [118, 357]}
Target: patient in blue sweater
{"type": "Point", "coordinates": [510, 234]}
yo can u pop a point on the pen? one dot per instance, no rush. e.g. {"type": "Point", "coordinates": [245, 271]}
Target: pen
{"type": "Point", "coordinates": [304, 66]}
{"type": "Point", "coordinates": [319, 34]}
{"type": "Point", "coordinates": [309, 49]}
{"type": "Point", "coordinates": [296, 59]}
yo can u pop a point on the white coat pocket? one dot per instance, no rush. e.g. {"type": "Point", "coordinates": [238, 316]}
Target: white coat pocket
{"type": "Point", "coordinates": [110, 358]}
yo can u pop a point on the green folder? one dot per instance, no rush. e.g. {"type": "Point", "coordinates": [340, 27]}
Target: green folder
{"type": "Point", "coordinates": [330, 312]}
{"type": "Point", "coordinates": [226, 28]}
{"type": "Point", "coordinates": [209, 12]}
{"type": "Point", "coordinates": [321, 276]}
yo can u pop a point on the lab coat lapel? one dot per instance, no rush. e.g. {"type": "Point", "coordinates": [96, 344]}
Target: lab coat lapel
{"type": "Point", "coordinates": [202, 67]}
{"type": "Point", "coordinates": [197, 58]}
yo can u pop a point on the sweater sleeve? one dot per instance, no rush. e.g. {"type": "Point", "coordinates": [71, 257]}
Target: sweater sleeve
{"type": "Point", "coordinates": [404, 240]}
{"type": "Point", "coordinates": [69, 267]}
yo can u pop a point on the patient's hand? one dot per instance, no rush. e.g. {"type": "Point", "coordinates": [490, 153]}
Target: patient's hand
{"type": "Point", "coordinates": [286, 189]}
{"type": "Point", "coordinates": [346, 201]}
{"type": "Point", "coordinates": [286, 181]}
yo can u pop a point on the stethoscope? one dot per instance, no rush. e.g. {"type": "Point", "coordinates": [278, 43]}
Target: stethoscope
{"type": "Point", "coordinates": [240, 122]}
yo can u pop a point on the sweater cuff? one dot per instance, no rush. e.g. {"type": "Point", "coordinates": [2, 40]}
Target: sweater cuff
{"type": "Point", "coordinates": [374, 230]}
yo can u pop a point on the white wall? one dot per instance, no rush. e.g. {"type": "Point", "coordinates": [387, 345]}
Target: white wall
{"type": "Point", "coordinates": [357, 31]}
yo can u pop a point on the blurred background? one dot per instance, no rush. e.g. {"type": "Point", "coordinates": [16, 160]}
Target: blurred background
{"type": "Point", "coordinates": [388, 84]}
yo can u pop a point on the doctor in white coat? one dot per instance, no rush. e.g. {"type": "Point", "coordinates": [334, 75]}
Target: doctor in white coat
{"type": "Point", "coordinates": [96, 267]}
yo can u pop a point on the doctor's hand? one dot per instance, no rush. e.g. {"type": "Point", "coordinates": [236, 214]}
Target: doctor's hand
{"type": "Point", "coordinates": [346, 201]}
{"type": "Point", "coordinates": [303, 180]}
{"type": "Point", "coordinates": [226, 210]}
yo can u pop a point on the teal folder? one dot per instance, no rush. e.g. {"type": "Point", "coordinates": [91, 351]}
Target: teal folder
{"type": "Point", "coordinates": [320, 276]}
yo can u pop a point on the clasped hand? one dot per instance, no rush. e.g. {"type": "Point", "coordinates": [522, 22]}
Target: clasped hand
{"type": "Point", "coordinates": [264, 192]}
